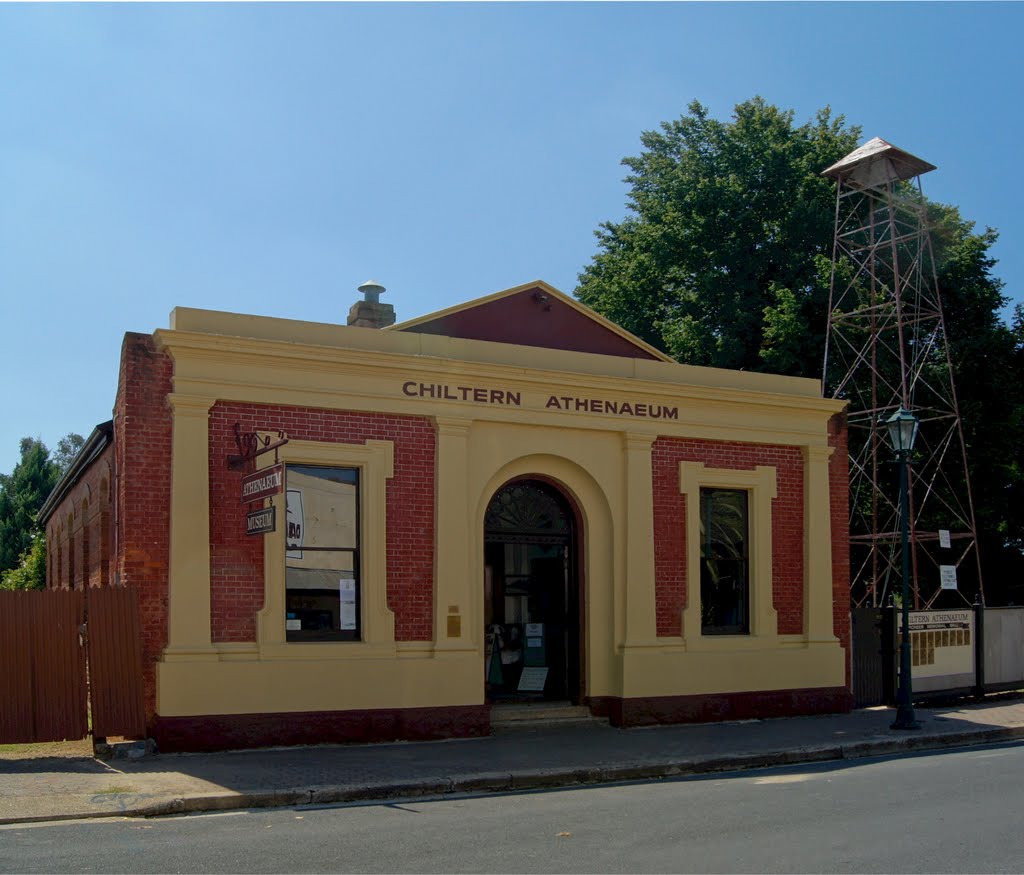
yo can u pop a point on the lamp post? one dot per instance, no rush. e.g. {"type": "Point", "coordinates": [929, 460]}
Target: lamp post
{"type": "Point", "coordinates": [902, 427]}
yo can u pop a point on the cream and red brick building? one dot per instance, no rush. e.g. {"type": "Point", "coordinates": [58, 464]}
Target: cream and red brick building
{"type": "Point", "coordinates": [507, 500]}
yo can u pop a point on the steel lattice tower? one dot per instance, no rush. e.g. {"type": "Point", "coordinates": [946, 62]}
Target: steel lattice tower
{"type": "Point", "coordinates": [886, 348]}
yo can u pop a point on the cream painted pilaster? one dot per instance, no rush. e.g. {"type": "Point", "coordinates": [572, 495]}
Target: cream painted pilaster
{"type": "Point", "coordinates": [818, 595]}
{"type": "Point", "coordinates": [456, 605]}
{"type": "Point", "coordinates": [641, 627]}
{"type": "Point", "coordinates": [188, 576]}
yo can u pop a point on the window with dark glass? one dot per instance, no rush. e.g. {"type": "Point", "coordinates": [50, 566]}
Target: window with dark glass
{"type": "Point", "coordinates": [322, 597]}
{"type": "Point", "coordinates": [724, 565]}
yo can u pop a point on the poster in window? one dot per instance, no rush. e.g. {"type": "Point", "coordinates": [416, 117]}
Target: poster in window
{"type": "Point", "coordinates": [533, 679]}
{"type": "Point", "coordinates": [347, 591]}
{"type": "Point", "coordinates": [294, 523]}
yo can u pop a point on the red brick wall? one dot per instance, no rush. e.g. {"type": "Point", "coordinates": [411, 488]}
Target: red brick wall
{"type": "Point", "coordinates": [142, 450]}
{"type": "Point", "coordinates": [670, 524]}
{"type": "Point", "coordinates": [839, 486]}
{"type": "Point", "coordinates": [90, 502]}
{"type": "Point", "coordinates": [236, 560]}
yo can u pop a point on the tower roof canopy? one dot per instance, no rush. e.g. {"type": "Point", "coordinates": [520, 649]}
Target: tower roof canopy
{"type": "Point", "coordinates": [875, 163]}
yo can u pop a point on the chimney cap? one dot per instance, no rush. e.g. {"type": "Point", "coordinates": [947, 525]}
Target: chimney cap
{"type": "Point", "coordinates": [372, 290]}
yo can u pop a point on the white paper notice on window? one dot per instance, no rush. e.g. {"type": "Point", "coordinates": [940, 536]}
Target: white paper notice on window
{"type": "Point", "coordinates": [947, 576]}
{"type": "Point", "coordinates": [944, 538]}
{"type": "Point", "coordinates": [347, 591]}
{"type": "Point", "coordinates": [294, 523]}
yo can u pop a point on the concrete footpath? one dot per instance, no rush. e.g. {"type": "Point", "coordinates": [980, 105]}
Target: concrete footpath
{"type": "Point", "coordinates": [55, 788]}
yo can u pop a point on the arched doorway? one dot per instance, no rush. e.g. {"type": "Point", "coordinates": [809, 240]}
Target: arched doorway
{"type": "Point", "coordinates": [531, 594]}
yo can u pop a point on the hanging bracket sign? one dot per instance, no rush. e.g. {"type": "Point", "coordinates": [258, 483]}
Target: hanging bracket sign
{"type": "Point", "coordinates": [262, 521]}
{"type": "Point", "coordinates": [251, 445]}
{"type": "Point", "coordinates": [263, 484]}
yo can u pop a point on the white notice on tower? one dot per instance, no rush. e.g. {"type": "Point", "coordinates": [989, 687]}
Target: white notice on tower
{"type": "Point", "coordinates": [947, 574]}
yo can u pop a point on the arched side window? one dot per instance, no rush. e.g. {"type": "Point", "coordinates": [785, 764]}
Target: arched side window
{"type": "Point", "coordinates": [104, 546]}
{"type": "Point", "coordinates": [86, 567]}
{"type": "Point", "coordinates": [70, 579]}
{"type": "Point", "coordinates": [58, 567]}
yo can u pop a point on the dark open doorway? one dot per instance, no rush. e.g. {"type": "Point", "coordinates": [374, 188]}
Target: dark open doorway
{"type": "Point", "coordinates": [531, 595]}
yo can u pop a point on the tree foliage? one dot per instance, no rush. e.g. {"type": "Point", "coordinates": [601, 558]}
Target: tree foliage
{"type": "Point", "coordinates": [22, 493]}
{"type": "Point", "coordinates": [67, 448]}
{"type": "Point", "coordinates": [31, 570]}
{"type": "Point", "coordinates": [717, 265]}
{"type": "Point", "coordinates": [725, 260]}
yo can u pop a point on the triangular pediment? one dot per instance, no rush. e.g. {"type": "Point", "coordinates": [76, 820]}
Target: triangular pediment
{"type": "Point", "coordinates": [534, 314]}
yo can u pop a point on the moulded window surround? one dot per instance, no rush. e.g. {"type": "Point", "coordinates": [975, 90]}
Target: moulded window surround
{"type": "Point", "coordinates": [375, 462]}
{"type": "Point", "coordinates": [760, 485]}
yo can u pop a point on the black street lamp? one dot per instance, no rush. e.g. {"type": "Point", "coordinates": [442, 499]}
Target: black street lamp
{"type": "Point", "coordinates": [902, 426]}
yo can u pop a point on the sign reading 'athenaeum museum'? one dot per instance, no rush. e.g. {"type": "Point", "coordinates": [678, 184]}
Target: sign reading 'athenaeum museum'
{"type": "Point", "coordinates": [263, 484]}
{"type": "Point", "coordinates": [261, 522]}
{"type": "Point", "coordinates": [566, 403]}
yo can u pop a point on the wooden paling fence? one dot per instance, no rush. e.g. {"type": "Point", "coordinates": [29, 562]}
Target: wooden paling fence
{"type": "Point", "coordinates": [64, 654]}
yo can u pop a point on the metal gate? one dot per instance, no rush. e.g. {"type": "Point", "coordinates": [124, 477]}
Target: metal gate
{"type": "Point", "coordinates": [873, 669]}
{"type": "Point", "coordinates": [65, 654]}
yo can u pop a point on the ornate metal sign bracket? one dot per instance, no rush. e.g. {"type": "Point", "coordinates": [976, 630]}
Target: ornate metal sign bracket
{"type": "Point", "coordinates": [251, 445]}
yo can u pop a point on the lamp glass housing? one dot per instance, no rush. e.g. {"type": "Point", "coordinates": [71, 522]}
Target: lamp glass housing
{"type": "Point", "coordinates": [902, 427]}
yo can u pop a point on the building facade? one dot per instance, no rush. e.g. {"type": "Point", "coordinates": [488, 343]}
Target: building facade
{"type": "Point", "coordinates": [508, 500]}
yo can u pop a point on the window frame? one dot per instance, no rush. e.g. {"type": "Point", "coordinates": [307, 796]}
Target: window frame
{"type": "Point", "coordinates": [760, 483]}
{"type": "Point", "coordinates": [707, 494]}
{"type": "Point", "coordinates": [294, 636]}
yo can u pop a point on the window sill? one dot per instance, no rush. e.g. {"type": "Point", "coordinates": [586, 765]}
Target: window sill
{"type": "Point", "coordinates": [724, 643]}
{"type": "Point", "coordinates": [320, 651]}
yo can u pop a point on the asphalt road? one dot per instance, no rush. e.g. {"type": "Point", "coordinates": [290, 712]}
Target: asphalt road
{"type": "Point", "coordinates": [956, 811]}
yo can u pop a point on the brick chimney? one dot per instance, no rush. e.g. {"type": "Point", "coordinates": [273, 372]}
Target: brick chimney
{"type": "Point", "coordinates": [370, 312]}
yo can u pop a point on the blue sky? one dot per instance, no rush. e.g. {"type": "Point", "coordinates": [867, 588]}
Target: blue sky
{"type": "Point", "coordinates": [268, 158]}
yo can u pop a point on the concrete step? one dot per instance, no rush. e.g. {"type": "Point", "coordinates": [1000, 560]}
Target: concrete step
{"type": "Point", "coordinates": [536, 715]}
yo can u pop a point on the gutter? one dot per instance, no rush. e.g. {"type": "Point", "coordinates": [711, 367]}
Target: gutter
{"type": "Point", "coordinates": [102, 436]}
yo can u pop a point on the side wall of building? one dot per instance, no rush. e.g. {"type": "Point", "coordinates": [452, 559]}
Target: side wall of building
{"type": "Point", "coordinates": [79, 533]}
{"type": "Point", "coordinates": [142, 446]}
{"type": "Point", "coordinates": [839, 490]}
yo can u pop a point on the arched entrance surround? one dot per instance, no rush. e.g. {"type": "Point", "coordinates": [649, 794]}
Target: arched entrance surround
{"type": "Point", "coordinates": [589, 559]}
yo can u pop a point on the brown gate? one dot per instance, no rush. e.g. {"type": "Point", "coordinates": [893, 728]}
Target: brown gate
{"type": "Point", "coordinates": [42, 667]}
{"type": "Point", "coordinates": [44, 695]}
{"type": "Point", "coordinates": [115, 663]}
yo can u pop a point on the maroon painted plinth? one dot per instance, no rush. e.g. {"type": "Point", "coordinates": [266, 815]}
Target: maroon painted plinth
{"type": "Point", "coordinates": [229, 731]}
{"type": "Point", "coordinates": [721, 706]}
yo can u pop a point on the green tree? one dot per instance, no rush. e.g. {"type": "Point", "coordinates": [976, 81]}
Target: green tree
{"type": "Point", "coordinates": [22, 493]}
{"type": "Point", "coordinates": [67, 448]}
{"type": "Point", "coordinates": [717, 263]}
{"type": "Point", "coordinates": [725, 260]}
{"type": "Point", "coordinates": [31, 570]}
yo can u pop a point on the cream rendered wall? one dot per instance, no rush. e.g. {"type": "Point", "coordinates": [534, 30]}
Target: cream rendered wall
{"type": "Point", "coordinates": [602, 461]}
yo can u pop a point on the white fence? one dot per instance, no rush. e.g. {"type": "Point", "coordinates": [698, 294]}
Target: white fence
{"type": "Point", "coordinates": [1003, 647]}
